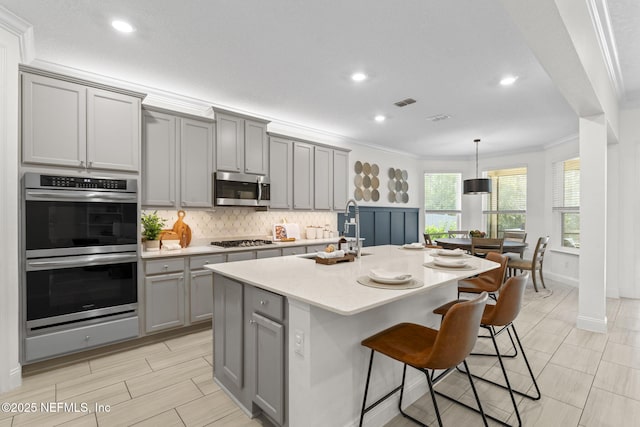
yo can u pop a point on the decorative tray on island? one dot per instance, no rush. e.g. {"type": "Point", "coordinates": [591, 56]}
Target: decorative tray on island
{"type": "Point", "coordinates": [331, 261]}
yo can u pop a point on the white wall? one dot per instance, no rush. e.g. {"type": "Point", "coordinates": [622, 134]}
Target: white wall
{"type": "Point", "coordinates": [10, 370]}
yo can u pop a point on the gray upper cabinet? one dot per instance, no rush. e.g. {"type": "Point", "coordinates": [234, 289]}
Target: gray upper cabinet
{"type": "Point", "coordinates": [302, 175]}
{"type": "Point", "coordinates": [229, 143]}
{"type": "Point", "coordinates": [113, 130]}
{"type": "Point", "coordinates": [281, 173]}
{"type": "Point", "coordinates": [241, 144]}
{"type": "Point", "coordinates": [323, 178]}
{"type": "Point", "coordinates": [256, 148]}
{"type": "Point", "coordinates": [168, 137]}
{"type": "Point", "coordinates": [70, 124]}
{"type": "Point", "coordinates": [158, 159]}
{"type": "Point", "coordinates": [340, 179]}
{"type": "Point", "coordinates": [196, 163]}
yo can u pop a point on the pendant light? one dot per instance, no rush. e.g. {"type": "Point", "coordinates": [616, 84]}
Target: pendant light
{"type": "Point", "coordinates": [477, 185]}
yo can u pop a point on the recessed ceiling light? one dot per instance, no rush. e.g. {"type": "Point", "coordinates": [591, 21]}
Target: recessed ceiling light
{"type": "Point", "coordinates": [122, 26]}
{"type": "Point", "coordinates": [379, 118]}
{"type": "Point", "coordinates": [358, 77]}
{"type": "Point", "coordinates": [508, 80]}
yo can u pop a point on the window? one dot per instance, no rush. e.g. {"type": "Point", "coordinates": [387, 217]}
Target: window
{"type": "Point", "coordinates": [566, 200]}
{"type": "Point", "coordinates": [442, 202]}
{"type": "Point", "coordinates": [506, 206]}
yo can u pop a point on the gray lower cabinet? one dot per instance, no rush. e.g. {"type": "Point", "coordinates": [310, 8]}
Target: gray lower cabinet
{"type": "Point", "coordinates": [241, 256]}
{"type": "Point", "coordinates": [249, 346]}
{"type": "Point", "coordinates": [164, 301]}
{"type": "Point", "coordinates": [201, 286]}
{"type": "Point", "coordinates": [164, 291]}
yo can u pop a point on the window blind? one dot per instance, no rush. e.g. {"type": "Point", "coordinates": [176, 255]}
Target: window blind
{"type": "Point", "coordinates": [509, 194]}
{"type": "Point", "coordinates": [442, 192]}
{"type": "Point", "coordinates": [566, 185]}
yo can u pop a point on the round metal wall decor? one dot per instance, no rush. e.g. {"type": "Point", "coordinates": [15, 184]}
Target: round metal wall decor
{"type": "Point", "coordinates": [366, 181]}
{"type": "Point", "coordinates": [398, 186]}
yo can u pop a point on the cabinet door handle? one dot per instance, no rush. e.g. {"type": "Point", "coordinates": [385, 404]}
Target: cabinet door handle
{"type": "Point", "coordinates": [90, 163]}
{"type": "Point", "coordinates": [81, 162]}
{"type": "Point", "coordinates": [263, 302]}
{"type": "Point", "coordinates": [252, 322]}
{"type": "Point", "coordinates": [166, 267]}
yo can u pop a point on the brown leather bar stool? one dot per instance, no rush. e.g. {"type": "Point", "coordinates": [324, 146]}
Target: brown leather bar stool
{"type": "Point", "coordinates": [489, 281]}
{"type": "Point", "coordinates": [501, 315]}
{"type": "Point", "coordinates": [427, 349]}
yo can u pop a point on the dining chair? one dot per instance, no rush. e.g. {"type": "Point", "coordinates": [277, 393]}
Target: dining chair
{"type": "Point", "coordinates": [481, 246]}
{"type": "Point", "coordinates": [515, 236]}
{"type": "Point", "coordinates": [428, 243]}
{"type": "Point", "coordinates": [489, 281]}
{"type": "Point", "coordinates": [461, 234]}
{"type": "Point", "coordinates": [427, 349]}
{"type": "Point", "coordinates": [502, 315]}
{"type": "Point", "coordinates": [534, 264]}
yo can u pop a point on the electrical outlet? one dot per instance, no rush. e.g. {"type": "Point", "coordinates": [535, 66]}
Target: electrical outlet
{"type": "Point", "coordinates": [298, 342]}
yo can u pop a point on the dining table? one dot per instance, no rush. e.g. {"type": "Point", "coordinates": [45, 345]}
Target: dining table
{"type": "Point", "coordinates": [465, 243]}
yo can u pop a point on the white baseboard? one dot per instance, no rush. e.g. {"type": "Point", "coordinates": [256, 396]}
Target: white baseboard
{"type": "Point", "coordinates": [387, 410]}
{"type": "Point", "coordinates": [14, 379]}
{"type": "Point", "coordinates": [592, 324]}
{"type": "Point", "coordinates": [567, 280]}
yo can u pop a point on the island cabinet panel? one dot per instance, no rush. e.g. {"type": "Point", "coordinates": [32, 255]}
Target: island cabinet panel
{"type": "Point", "coordinates": [250, 326]}
{"type": "Point", "coordinates": [268, 365]}
{"type": "Point", "coordinates": [228, 309]}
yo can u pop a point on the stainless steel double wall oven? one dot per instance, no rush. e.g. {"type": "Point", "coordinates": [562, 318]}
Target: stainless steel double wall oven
{"type": "Point", "coordinates": [80, 251]}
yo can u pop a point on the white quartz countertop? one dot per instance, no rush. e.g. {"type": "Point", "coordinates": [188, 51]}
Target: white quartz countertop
{"type": "Point", "coordinates": [335, 287]}
{"type": "Point", "coordinates": [210, 249]}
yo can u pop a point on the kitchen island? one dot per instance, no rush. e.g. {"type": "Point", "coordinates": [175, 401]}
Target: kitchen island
{"type": "Point", "coordinates": [287, 332]}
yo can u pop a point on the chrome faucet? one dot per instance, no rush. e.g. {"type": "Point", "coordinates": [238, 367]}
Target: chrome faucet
{"type": "Point", "coordinates": [357, 224]}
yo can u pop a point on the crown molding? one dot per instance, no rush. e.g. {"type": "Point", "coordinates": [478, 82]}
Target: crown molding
{"type": "Point", "coordinates": [23, 30]}
{"type": "Point", "coordinates": [599, 11]}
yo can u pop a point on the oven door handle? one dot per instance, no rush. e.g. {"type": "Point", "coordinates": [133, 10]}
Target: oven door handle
{"type": "Point", "coordinates": [80, 195]}
{"type": "Point", "coordinates": [79, 261]}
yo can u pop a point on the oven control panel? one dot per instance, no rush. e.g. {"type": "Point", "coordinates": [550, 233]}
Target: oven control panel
{"type": "Point", "coordinates": [82, 182]}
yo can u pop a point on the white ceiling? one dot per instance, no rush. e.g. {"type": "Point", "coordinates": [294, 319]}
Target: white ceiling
{"type": "Point", "coordinates": [291, 61]}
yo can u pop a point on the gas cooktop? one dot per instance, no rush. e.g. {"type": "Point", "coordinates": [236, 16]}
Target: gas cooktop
{"type": "Point", "coordinates": [241, 243]}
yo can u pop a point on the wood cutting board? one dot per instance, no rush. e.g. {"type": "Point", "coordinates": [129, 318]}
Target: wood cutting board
{"type": "Point", "coordinates": [182, 229]}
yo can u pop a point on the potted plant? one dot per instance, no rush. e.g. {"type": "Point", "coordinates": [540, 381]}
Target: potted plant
{"type": "Point", "coordinates": [151, 228]}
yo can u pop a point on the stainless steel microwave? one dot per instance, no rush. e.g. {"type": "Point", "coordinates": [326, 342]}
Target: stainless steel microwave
{"type": "Point", "coordinates": [239, 189]}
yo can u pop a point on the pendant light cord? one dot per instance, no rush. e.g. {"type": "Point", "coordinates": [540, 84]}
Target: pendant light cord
{"type": "Point", "coordinates": [476, 141]}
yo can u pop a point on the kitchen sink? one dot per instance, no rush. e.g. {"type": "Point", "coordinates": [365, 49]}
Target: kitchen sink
{"type": "Point", "coordinates": [313, 256]}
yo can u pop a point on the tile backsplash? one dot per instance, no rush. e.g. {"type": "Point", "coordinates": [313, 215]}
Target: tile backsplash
{"type": "Point", "coordinates": [229, 222]}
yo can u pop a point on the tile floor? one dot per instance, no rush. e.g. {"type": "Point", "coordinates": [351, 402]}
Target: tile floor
{"type": "Point", "coordinates": [586, 379]}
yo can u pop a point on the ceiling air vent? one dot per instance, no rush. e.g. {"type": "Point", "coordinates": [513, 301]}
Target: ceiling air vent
{"type": "Point", "coordinates": [404, 102]}
{"type": "Point", "coordinates": [439, 117]}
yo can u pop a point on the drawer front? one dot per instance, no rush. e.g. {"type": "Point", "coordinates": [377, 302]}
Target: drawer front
{"type": "Point", "coordinates": [296, 250]}
{"type": "Point", "coordinates": [198, 262]}
{"type": "Point", "coordinates": [269, 253]}
{"type": "Point", "coordinates": [267, 303]}
{"type": "Point", "coordinates": [165, 265]}
{"type": "Point", "coordinates": [241, 256]}
{"type": "Point", "coordinates": [57, 343]}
